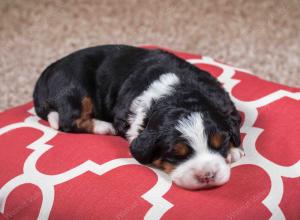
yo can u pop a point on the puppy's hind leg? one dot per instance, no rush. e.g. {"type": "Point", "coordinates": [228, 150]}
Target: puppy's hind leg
{"type": "Point", "coordinates": [77, 117]}
{"type": "Point", "coordinates": [85, 123]}
{"type": "Point", "coordinates": [69, 109]}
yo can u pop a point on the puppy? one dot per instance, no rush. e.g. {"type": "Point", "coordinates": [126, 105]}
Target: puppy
{"type": "Point", "coordinates": [175, 116]}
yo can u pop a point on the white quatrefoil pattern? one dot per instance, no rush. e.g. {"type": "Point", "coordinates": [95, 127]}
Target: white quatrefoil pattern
{"type": "Point", "coordinates": [46, 174]}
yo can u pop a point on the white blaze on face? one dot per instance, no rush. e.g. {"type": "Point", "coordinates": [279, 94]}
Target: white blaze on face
{"type": "Point", "coordinates": [159, 88]}
{"type": "Point", "coordinates": [205, 168]}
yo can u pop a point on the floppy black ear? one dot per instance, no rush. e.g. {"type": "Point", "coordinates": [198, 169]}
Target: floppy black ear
{"type": "Point", "coordinates": [144, 148]}
{"type": "Point", "coordinates": [235, 124]}
{"type": "Point", "coordinates": [235, 137]}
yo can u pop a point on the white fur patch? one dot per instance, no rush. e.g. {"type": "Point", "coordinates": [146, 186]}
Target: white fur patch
{"type": "Point", "coordinates": [192, 130]}
{"type": "Point", "coordinates": [140, 105]}
{"type": "Point", "coordinates": [103, 127]}
{"type": "Point", "coordinates": [205, 168]}
{"type": "Point", "coordinates": [53, 119]}
{"type": "Point", "coordinates": [235, 154]}
{"type": "Point", "coordinates": [192, 173]}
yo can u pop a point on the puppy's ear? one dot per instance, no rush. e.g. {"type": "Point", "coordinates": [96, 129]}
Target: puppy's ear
{"type": "Point", "coordinates": [235, 124]}
{"type": "Point", "coordinates": [235, 138]}
{"type": "Point", "coordinates": [144, 148]}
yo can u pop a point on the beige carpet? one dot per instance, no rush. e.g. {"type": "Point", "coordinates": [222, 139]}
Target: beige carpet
{"type": "Point", "coordinates": [263, 36]}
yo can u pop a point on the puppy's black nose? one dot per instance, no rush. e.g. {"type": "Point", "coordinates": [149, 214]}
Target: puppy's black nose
{"type": "Point", "coordinates": [206, 177]}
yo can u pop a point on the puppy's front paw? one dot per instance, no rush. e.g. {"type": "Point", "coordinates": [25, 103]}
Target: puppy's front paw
{"type": "Point", "coordinates": [235, 154]}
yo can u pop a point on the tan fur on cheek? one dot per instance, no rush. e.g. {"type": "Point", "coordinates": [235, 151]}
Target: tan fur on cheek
{"type": "Point", "coordinates": [165, 166]}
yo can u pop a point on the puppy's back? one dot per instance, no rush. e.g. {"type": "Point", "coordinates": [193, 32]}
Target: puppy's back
{"type": "Point", "coordinates": [74, 76]}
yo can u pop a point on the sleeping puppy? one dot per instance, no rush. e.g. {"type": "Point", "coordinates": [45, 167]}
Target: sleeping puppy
{"type": "Point", "coordinates": [176, 117]}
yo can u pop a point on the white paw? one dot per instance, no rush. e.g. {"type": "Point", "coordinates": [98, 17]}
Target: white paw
{"type": "Point", "coordinates": [53, 119]}
{"type": "Point", "coordinates": [235, 154]}
{"type": "Point", "coordinates": [103, 127]}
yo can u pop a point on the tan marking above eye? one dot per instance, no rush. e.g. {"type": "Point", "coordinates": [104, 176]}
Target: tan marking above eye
{"type": "Point", "coordinates": [216, 140]}
{"type": "Point", "coordinates": [181, 149]}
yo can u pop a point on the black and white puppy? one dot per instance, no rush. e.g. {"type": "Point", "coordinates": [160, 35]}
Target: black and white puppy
{"type": "Point", "coordinates": [175, 116]}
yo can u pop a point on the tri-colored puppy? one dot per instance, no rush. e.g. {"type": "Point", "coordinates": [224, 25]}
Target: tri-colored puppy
{"type": "Point", "coordinates": [175, 116]}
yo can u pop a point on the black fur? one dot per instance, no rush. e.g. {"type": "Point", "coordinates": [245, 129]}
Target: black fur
{"type": "Point", "coordinates": [113, 75]}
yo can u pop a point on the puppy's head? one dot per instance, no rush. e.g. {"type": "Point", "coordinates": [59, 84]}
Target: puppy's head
{"type": "Point", "coordinates": [191, 147]}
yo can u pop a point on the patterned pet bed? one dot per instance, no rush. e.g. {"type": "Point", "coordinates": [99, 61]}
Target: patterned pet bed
{"type": "Point", "coordinates": [49, 174]}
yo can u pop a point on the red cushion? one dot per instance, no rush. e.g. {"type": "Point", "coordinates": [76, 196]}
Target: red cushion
{"type": "Point", "coordinates": [45, 173]}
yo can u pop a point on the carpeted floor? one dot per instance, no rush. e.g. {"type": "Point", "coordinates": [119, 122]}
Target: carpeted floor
{"type": "Point", "coordinates": [263, 36]}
